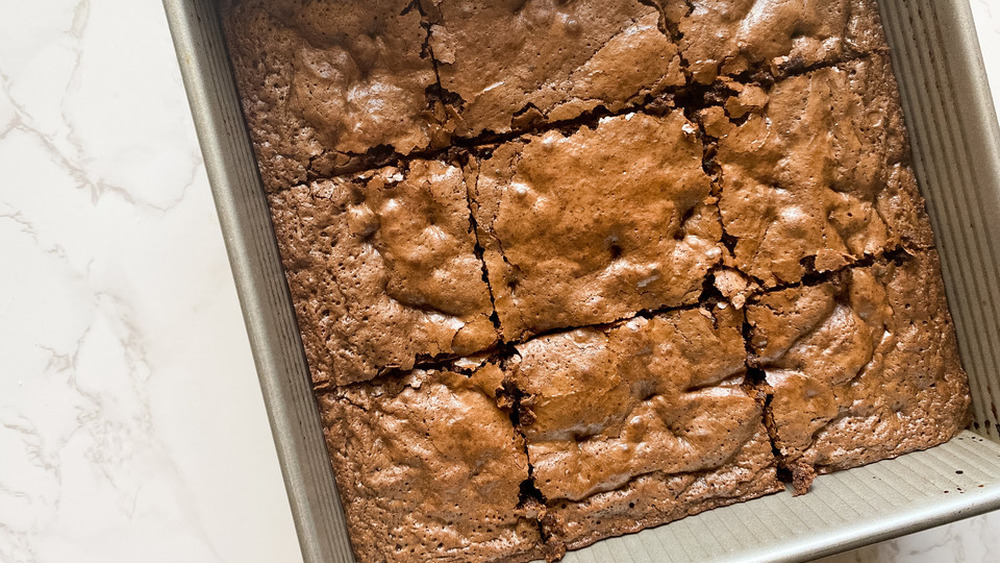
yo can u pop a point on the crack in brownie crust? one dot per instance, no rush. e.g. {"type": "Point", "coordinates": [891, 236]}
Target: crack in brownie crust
{"type": "Point", "coordinates": [594, 226]}
{"type": "Point", "coordinates": [861, 368]}
{"type": "Point", "coordinates": [431, 468]}
{"type": "Point", "coordinates": [641, 422]}
{"type": "Point", "coordinates": [383, 270]}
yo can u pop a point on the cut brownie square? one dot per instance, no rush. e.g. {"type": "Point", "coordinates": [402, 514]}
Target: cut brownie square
{"type": "Point", "coordinates": [508, 65]}
{"type": "Point", "coordinates": [734, 37]}
{"type": "Point", "coordinates": [430, 468]}
{"type": "Point", "coordinates": [593, 226]}
{"type": "Point", "coordinates": [383, 270]}
{"type": "Point", "coordinates": [862, 368]}
{"type": "Point", "coordinates": [642, 422]}
{"type": "Point", "coordinates": [815, 173]}
{"type": "Point", "coordinates": [325, 82]}
{"type": "Point", "coordinates": [661, 497]}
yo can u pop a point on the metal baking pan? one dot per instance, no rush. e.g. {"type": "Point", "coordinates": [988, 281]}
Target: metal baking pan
{"type": "Point", "coordinates": [956, 145]}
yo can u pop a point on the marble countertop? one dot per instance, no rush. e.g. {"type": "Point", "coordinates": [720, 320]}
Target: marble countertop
{"type": "Point", "coordinates": [131, 424]}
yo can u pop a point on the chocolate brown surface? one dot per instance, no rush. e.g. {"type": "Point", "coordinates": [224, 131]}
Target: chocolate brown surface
{"type": "Point", "coordinates": [657, 498]}
{"type": "Point", "coordinates": [593, 226]}
{"type": "Point", "coordinates": [429, 468]}
{"type": "Point", "coordinates": [325, 81]}
{"type": "Point", "coordinates": [383, 270]}
{"type": "Point", "coordinates": [641, 422]}
{"type": "Point", "coordinates": [511, 64]}
{"type": "Point", "coordinates": [733, 37]}
{"type": "Point", "coordinates": [814, 172]}
{"type": "Point", "coordinates": [863, 367]}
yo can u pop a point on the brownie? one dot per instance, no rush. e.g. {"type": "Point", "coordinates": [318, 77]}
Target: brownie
{"type": "Point", "coordinates": [862, 367]}
{"type": "Point", "coordinates": [383, 270]}
{"type": "Point", "coordinates": [430, 468]}
{"type": "Point", "coordinates": [741, 37]}
{"type": "Point", "coordinates": [324, 82]}
{"type": "Point", "coordinates": [815, 173]}
{"type": "Point", "coordinates": [594, 225]}
{"type": "Point", "coordinates": [507, 65]}
{"type": "Point", "coordinates": [642, 422]}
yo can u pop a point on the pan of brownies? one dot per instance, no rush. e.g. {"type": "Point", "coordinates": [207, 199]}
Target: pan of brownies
{"type": "Point", "coordinates": [610, 280]}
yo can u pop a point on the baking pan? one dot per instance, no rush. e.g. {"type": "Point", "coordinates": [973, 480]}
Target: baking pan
{"type": "Point", "coordinates": [956, 149]}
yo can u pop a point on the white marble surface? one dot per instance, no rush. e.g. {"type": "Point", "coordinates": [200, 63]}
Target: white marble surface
{"type": "Point", "coordinates": [131, 424]}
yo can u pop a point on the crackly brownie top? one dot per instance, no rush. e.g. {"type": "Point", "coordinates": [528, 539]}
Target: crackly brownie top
{"type": "Point", "coordinates": [383, 270]}
{"type": "Point", "coordinates": [813, 171]}
{"type": "Point", "coordinates": [657, 498]}
{"type": "Point", "coordinates": [323, 81]}
{"type": "Point", "coordinates": [431, 467]}
{"type": "Point", "coordinates": [864, 366]}
{"type": "Point", "coordinates": [509, 64]}
{"type": "Point", "coordinates": [595, 225]}
{"type": "Point", "coordinates": [731, 37]}
{"type": "Point", "coordinates": [605, 405]}
{"type": "Point", "coordinates": [575, 163]}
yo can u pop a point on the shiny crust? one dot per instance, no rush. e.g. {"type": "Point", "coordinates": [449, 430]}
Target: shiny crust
{"type": "Point", "coordinates": [329, 85]}
{"type": "Point", "coordinates": [641, 423]}
{"type": "Point", "coordinates": [383, 270]}
{"type": "Point", "coordinates": [510, 64]}
{"type": "Point", "coordinates": [323, 82]}
{"type": "Point", "coordinates": [862, 368]}
{"type": "Point", "coordinates": [657, 498]}
{"type": "Point", "coordinates": [660, 394]}
{"type": "Point", "coordinates": [732, 37]}
{"type": "Point", "coordinates": [815, 174]}
{"type": "Point", "coordinates": [402, 504]}
{"type": "Point", "coordinates": [593, 226]}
